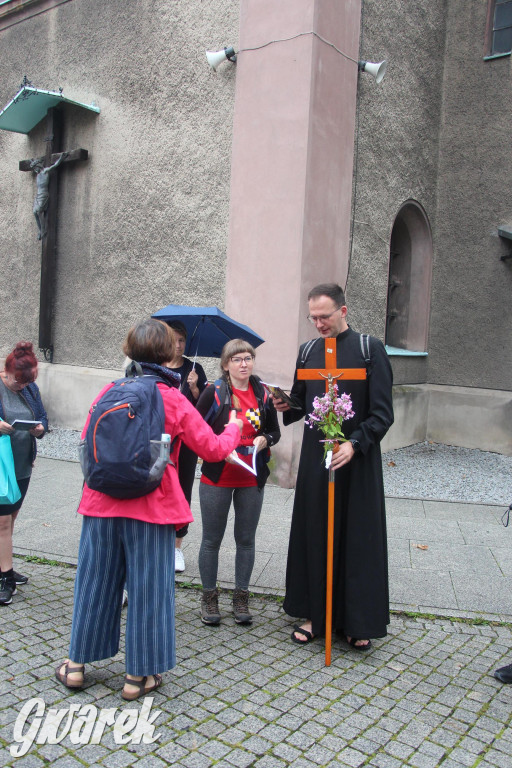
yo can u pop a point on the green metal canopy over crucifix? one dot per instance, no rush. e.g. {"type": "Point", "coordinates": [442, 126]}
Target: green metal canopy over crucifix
{"type": "Point", "coordinates": [21, 114]}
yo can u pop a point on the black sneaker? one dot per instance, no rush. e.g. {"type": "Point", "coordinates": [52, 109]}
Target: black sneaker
{"type": "Point", "coordinates": [504, 674]}
{"type": "Point", "coordinates": [7, 590]}
{"type": "Point", "coordinates": [19, 578]}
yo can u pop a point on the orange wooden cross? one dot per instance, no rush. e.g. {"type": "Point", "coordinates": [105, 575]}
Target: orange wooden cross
{"type": "Point", "coordinates": [329, 373]}
{"type": "Point", "coordinates": [347, 374]}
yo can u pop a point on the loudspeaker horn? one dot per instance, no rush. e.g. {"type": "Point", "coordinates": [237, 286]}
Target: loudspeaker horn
{"type": "Point", "coordinates": [377, 70]}
{"type": "Point", "coordinates": [214, 58]}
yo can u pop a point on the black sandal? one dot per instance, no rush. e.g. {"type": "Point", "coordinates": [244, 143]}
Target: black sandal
{"type": "Point", "coordinates": [353, 640]}
{"type": "Point", "coordinates": [308, 635]}
{"type": "Point", "coordinates": [62, 677]}
{"type": "Point", "coordinates": [141, 685]}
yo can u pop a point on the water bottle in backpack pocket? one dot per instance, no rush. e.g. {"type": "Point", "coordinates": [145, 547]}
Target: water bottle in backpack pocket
{"type": "Point", "coordinates": [121, 454]}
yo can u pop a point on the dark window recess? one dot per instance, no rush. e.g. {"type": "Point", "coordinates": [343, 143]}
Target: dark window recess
{"type": "Point", "coordinates": [410, 274]}
{"type": "Point", "coordinates": [399, 288]}
{"type": "Point", "coordinates": [502, 27]}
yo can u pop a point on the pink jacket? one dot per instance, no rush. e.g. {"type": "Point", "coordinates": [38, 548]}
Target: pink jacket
{"type": "Point", "coordinates": [166, 504]}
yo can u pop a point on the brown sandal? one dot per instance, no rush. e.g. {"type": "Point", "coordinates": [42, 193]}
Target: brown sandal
{"type": "Point", "coordinates": [141, 685]}
{"type": "Point", "coordinates": [62, 677]}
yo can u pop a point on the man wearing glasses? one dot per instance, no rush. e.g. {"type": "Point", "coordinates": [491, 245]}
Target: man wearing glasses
{"type": "Point", "coordinates": [360, 583]}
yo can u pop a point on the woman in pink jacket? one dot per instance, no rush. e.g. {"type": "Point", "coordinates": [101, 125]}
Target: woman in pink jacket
{"type": "Point", "coordinates": [132, 541]}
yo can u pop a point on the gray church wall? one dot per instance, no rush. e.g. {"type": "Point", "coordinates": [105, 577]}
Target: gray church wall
{"type": "Point", "coordinates": [436, 131]}
{"type": "Point", "coordinates": [144, 221]}
{"type": "Point", "coordinates": [396, 151]}
{"type": "Point", "coordinates": [471, 338]}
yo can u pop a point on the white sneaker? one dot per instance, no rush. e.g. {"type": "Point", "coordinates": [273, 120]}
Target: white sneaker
{"type": "Point", "coordinates": [179, 561]}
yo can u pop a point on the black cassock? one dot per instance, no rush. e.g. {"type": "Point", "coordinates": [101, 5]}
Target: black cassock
{"type": "Point", "coordinates": [360, 573]}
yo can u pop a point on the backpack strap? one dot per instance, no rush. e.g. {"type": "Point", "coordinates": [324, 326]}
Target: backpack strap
{"type": "Point", "coordinates": [306, 351]}
{"type": "Point", "coordinates": [364, 341]}
{"type": "Point", "coordinates": [221, 397]}
{"type": "Point", "coordinates": [171, 449]}
{"type": "Point", "coordinates": [260, 392]}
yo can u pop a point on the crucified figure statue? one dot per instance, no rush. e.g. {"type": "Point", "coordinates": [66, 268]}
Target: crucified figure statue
{"type": "Point", "coordinates": [42, 196]}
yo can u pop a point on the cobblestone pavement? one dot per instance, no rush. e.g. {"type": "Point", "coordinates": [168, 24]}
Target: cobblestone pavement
{"type": "Point", "coordinates": [246, 696]}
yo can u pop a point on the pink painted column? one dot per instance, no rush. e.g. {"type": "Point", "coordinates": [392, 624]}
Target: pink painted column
{"type": "Point", "coordinates": [291, 175]}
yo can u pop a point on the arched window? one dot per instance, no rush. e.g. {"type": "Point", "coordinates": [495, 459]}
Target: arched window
{"type": "Point", "coordinates": [410, 276]}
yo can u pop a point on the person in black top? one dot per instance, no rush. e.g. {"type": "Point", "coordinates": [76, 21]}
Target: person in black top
{"type": "Point", "coordinates": [229, 482]}
{"type": "Point", "coordinates": [193, 381]}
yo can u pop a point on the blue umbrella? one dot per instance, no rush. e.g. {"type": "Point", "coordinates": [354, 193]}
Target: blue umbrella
{"type": "Point", "coordinates": [208, 329]}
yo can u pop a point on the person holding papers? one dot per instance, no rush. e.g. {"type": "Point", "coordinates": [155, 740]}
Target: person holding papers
{"type": "Point", "coordinates": [241, 478]}
{"type": "Point", "coordinates": [23, 418]}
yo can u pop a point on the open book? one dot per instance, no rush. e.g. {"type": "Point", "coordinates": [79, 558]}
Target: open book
{"type": "Point", "coordinates": [250, 468]}
{"type": "Point", "coordinates": [276, 391]}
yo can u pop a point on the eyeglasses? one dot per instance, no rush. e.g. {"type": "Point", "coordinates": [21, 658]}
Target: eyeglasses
{"type": "Point", "coordinates": [239, 360]}
{"type": "Point", "coordinates": [314, 319]}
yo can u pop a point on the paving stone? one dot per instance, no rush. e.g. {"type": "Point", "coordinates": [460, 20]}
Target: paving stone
{"type": "Point", "coordinates": [215, 749]}
{"type": "Point", "coordinates": [119, 759]}
{"type": "Point", "coordinates": [422, 760]}
{"type": "Point", "coordinates": [240, 758]}
{"type": "Point", "coordinates": [257, 745]}
{"type": "Point", "coordinates": [268, 762]}
{"type": "Point", "coordinates": [497, 759]}
{"type": "Point", "coordinates": [319, 755]}
{"type": "Point", "coordinates": [398, 749]}
{"type": "Point", "coordinates": [287, 752]}
{"type": "Point", "coordinates": [172, 753]}
{"type": "Point", "coordinates": [195, 760]}
{"type": "Point", "coordinates": [352, 757]}
{"type": "Point", "coordinates": [383, 760]}
{"type": "Point", "coordinates": [28, 761]}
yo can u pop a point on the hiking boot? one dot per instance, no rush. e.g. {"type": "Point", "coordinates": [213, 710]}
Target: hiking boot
{"type": "Point", "coordinates": [7, 590]}
{"type": "Point", "coordinates": [241, 606]}
{"type": "Point", "coordinates": [210, 607]}
{"type": "Point", "coordinates": [19, 578]}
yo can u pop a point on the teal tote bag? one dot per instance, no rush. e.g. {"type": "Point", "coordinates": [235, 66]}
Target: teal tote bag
{"type": "Point", "coordinates": [9, 491]}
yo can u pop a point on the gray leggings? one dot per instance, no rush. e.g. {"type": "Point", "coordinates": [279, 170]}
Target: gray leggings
{"type": "Point", "coordinates": [215, 503]}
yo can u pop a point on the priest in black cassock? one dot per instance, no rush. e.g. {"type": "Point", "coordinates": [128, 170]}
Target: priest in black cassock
{"type": "Point", "coordinates": [360, 572]}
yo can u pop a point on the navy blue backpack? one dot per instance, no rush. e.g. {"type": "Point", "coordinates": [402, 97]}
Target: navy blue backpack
{"type": "Point", "coordinates": [120, 454]}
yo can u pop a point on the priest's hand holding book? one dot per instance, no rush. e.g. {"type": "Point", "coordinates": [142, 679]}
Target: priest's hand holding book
{"type": "Point", "coordinates": [280, 405]}
{"type": "Point", "coordinates": [281, 399]}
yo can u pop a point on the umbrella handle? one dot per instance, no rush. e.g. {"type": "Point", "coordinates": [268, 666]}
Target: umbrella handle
{"type": "Point", "coordinates": [201, 320]}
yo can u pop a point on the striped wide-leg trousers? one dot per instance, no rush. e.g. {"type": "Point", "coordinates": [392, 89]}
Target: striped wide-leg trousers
{"type": "Point", "coordinates": [115, 550]}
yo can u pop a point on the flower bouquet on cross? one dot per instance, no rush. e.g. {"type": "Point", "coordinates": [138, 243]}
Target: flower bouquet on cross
{"type": "Point", "coordinates": [328, 415]}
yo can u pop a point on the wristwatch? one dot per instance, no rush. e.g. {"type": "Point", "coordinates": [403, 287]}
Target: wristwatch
{"type": "Point", "coordinates": [356, 445]}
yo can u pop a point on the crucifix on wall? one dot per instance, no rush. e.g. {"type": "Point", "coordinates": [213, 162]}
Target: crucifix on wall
{"type": "Point", "coordinates": [46, 213]}
{"type": "Point", "coordinates": [26, 109]}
